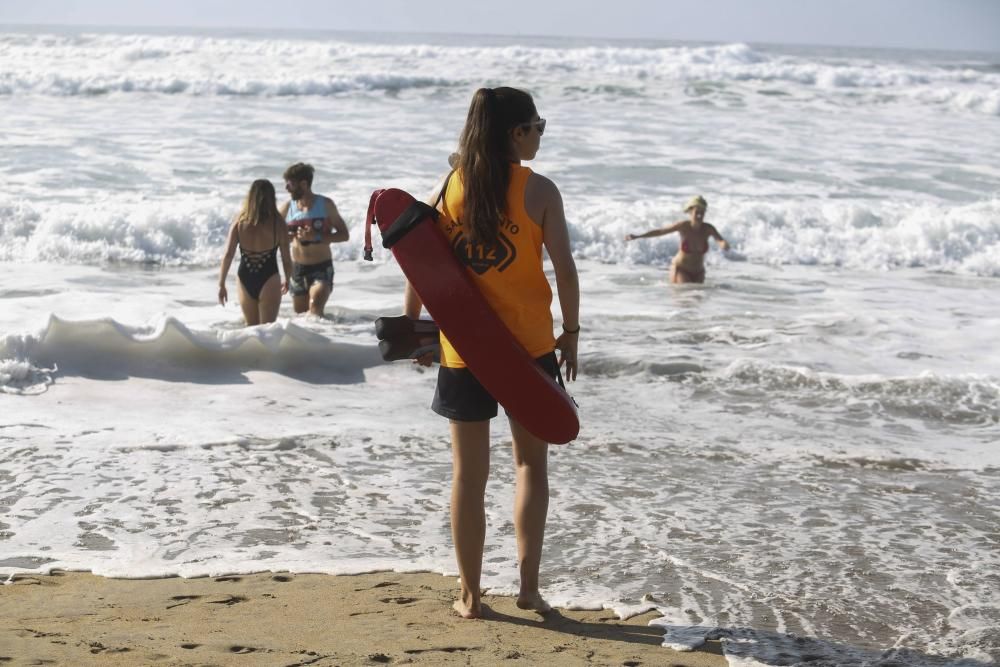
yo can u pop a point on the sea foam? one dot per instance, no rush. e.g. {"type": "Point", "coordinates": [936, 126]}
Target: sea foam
{"type": "Point", "coordinates": [102, 64]}
{"type": "Point", "coordinates": [962, 238]}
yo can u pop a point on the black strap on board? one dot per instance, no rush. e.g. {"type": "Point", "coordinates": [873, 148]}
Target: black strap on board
{"type": "Point", "coordinates": [414, 214]}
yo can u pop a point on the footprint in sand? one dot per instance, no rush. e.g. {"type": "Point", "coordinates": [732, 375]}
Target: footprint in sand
{"type": "Point", "coordinates": [98, 647]}
{"type": "Point", "coordinates": [282, 578]}
{"type": "Point", "coordinates": [242, 649]}
{"type": "Point", "coordinates": [229, 601]}
{"type": "Point", "coordinates": [381, 584]}
{"type": "Point", "coordinates": [229, 579]}
{"type": "Point", "coordinates": [442, 649]}
{"type": "Point", "coordinates": [37, 634]}
{"type": "Point", "coordinates": [182, 600]}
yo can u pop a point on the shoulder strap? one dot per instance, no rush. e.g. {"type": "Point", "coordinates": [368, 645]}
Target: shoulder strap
{"type": "Point", "coordinates": [444, 189]}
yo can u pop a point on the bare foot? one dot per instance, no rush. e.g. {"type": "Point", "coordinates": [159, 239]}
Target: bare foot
{"type": "Point", "coordinates": [534, 602]}
{"type": "Point", "coordinates": [468, 611]}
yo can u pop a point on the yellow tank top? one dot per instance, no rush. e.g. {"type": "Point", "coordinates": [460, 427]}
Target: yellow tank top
{"type": "Point", "coordinates": [510, 273]}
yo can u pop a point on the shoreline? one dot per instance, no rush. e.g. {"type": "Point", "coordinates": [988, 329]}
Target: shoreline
{"type": "Point", "coordinates": [307, 619]}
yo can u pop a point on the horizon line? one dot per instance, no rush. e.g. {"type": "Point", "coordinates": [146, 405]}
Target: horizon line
{"type": "Point", "coordinates": [359, 31]}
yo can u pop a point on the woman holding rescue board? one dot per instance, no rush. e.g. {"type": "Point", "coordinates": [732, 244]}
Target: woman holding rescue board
{"type": "Point", "coordinates": [498, 215]}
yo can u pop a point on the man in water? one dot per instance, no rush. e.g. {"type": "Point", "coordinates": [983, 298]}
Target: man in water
{"type": "Point", "coordinates": [313, 223]}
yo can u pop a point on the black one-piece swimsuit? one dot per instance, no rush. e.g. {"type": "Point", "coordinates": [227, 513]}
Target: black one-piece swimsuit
{"type": "Point", "coordinates": [256, 268]}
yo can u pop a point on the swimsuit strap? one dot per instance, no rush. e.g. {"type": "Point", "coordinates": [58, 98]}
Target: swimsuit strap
{"type": "Point", "coordinates": [256, 259]}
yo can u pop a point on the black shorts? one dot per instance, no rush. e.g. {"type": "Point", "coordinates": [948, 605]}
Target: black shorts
{"type": "Point", "coordinates": [304, 275]}
{"type": "Point", "coordinates": [459, 395]}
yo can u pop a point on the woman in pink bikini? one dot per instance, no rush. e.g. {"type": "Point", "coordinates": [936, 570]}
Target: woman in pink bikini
{"type": "Point", "coordinates": [689, 262]}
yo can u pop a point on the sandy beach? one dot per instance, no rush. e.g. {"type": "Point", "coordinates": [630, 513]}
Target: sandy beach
{"type": "Point", "coordinates": [285, 619]}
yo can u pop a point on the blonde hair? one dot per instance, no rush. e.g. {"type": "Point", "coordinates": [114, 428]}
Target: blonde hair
{"type": "Point", "coordinates": [696, 202]}
{"type": "Point", "coordinates": [260, 204]}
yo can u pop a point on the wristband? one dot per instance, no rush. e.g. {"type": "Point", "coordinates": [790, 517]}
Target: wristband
{"type": "Point", "coordinates": [573, 331]}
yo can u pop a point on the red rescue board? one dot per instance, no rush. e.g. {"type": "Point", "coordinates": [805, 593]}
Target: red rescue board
{"type": "Point", "coordinates": [477, 333]}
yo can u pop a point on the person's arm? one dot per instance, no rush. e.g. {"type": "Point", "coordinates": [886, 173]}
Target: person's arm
{"type": "Point", "coordinates": [335, 229]}
{"type": "Point", "coordinates": [227, 261]}
{"type": "Point", "coordinates": [714, 233]}
{"type": "Point", "coordinates": [284, 245]}
{"type": "Point", "coordinates": [655, 232]}
{"type": "Point", "coordinates": [412, 305]}
{"type": "Point", "coordinates": [555, 236]}
{"type": "Point", "coordinates": [283, 211]}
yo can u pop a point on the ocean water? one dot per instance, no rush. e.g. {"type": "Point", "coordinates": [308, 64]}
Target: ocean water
{"type": "Point", "coordinates": [799, 457]}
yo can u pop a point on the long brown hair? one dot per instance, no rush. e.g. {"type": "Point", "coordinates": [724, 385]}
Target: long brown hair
{"type": "Point", "coordinates": [260, 204]}
{"type": "Point", "coordinates": [484, 161]}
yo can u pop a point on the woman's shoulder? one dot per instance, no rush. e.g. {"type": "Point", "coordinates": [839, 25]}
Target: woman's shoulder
{"type": "Point", "coordinates": [540, 186]}
{"type": "Point", "coordinates": [541, 197]}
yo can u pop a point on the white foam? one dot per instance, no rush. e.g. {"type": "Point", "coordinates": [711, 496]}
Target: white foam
{"type": "Point", "coordinates": [854, 235]}
{"type": "Point", "coordinates": [20, 377]}
{"type": "Point", "coordinates": [100, 64]}
{"type": "Point", "coordinates": [167, 348]}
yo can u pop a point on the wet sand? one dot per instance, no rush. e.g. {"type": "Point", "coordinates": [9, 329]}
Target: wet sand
{"type": "Point", "coordinates": [307, 619]}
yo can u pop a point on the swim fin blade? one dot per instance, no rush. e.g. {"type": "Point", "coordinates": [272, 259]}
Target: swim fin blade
{"type": "Point", "coordinates": [403, 338]}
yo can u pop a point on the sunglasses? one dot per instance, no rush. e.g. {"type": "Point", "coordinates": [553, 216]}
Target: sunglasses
{"type": "Point", "coordinates": [537, 124]}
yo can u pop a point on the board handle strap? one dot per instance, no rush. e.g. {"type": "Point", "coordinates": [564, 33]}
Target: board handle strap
{"type": "Point", "coordinates": [368, 226]}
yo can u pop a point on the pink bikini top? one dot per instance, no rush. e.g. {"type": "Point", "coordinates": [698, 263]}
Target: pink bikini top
{"type": "Point", "coordinates": [685, 247]}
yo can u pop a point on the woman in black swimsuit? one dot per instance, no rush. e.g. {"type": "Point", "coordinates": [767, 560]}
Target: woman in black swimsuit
{"type": "Point", "coordinates": [259, 232]}
{"type": "Point", "coordinates": [689, 262]}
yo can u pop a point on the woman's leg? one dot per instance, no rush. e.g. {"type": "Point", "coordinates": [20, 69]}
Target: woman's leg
{"type": "Point", "coordinates": [248, 305]}
{"type": "Point", "coordinates": [270, 300]}
{"type": "Point", "coordinates": [531, 506]}
{"type": "Point", "coordinates": [470, 452]}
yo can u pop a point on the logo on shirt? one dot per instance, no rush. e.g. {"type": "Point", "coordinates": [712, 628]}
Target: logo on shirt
{"type": "Point", "coordinates": [480, 257]}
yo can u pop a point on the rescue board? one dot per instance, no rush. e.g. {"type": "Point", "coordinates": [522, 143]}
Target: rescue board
{"type": "Point", "coordinates": [531, 397]}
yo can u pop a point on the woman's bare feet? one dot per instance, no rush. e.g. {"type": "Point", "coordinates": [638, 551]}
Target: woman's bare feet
{"type": "Point", "coordinates": [534, 602]}
{"type": "Point", "coordinates": [467, 611]}
{"type": "Point", "coordinates": [467, 607]}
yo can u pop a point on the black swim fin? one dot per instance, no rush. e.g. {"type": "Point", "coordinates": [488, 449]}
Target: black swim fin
{"type": "Point", "coordinates": [403, 338]}
{"type": "Point", "coordinates": [387, 328]}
